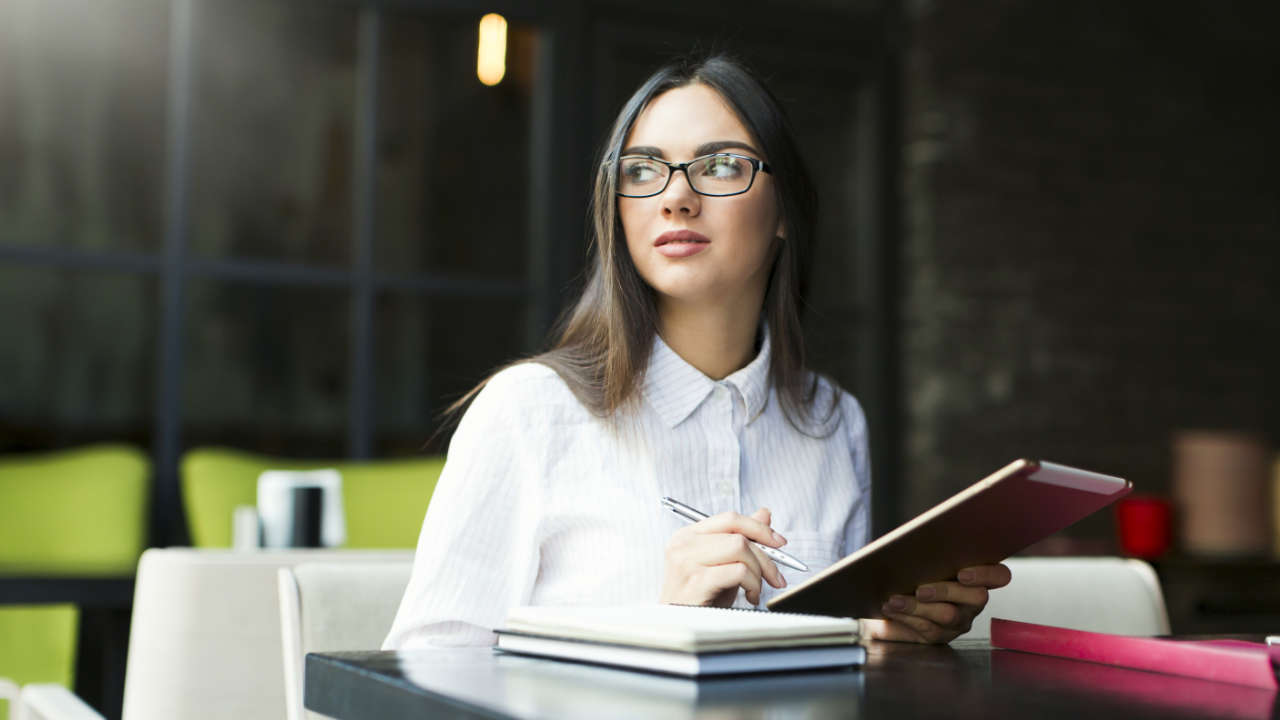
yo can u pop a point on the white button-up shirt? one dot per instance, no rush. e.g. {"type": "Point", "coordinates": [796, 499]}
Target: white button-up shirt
{"type": "Point", "coordinates": [543, 503]}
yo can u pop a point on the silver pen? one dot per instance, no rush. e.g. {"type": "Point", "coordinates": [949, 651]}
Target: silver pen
{"type": "Point", "coordinates": [694, 516]}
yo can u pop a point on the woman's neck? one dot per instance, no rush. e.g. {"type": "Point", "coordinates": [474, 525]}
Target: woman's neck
{"type": "Point", "coordinates": [718, 340]}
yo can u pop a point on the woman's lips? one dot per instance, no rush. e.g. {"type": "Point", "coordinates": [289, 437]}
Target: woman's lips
{"type": "Point", "coordinates": [681, 243]}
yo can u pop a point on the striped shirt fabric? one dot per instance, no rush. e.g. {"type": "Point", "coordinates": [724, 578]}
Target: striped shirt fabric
{"type": "Point", "coordinates": [543, 503]}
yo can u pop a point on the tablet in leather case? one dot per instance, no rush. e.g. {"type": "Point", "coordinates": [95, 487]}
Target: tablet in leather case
{"type": "Point", "coordinates": [1022, 503]}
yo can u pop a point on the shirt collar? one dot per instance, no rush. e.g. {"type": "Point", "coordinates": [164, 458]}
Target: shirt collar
{"type": "Point", "coordinates": [675, 388]}
{"type": "Point", "coordinates": [753, 380]}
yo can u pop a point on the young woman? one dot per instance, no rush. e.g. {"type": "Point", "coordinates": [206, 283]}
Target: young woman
{"type": "Point", "coordinates": [680, 372]}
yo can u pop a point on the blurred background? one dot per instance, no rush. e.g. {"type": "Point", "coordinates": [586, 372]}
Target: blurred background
{"type": "Point", "coordinates": [302, 229]}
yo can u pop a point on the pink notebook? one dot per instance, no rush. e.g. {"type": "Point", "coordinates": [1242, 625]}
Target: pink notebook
{"type": "Point", "coordinates": [1231, 661]}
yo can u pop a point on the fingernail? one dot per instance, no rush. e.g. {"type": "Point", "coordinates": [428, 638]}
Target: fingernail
{"type": "Point", "coordinates": [897, 602]}
{"type": "Point", "coordinates": [925, 593]}
{"type": "Point", "coordinates": [784, 580]}
{"type": "Point", "coordinates": [779, 539]}
{"type": "Point", "coordinates": [966, 576]}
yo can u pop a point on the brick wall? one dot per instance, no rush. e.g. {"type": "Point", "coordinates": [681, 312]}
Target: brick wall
{"type": "Point", "coordinates": [1091, 235]}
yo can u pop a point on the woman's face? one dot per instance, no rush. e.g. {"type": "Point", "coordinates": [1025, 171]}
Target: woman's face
{"type": "Point", "coordinates": [733, 263]}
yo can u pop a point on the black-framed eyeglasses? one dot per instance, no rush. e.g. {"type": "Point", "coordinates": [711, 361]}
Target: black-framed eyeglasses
{"type": "Point", "coordinates": [715, 175]}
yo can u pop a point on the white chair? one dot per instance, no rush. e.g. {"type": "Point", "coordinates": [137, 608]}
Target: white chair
{"type": "Point", "coordinates": [334, 606]}
{"type": "Point", "coordinates": [9, 692]}
{"type": "Point", "coordinates": [50, 701]}
{"type": "Point", "coordinates": [44, 701]}
{"type": "Point", "coordinates": [205, 639]}
{"type": "Point", "coordinates": [1098, 594]}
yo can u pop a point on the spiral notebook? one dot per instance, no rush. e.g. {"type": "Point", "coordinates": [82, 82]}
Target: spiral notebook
{"type": "Point", "coordinates": [682, 639]}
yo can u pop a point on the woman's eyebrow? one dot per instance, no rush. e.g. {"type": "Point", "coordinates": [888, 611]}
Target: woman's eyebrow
{"type": "Point", "coordinates": [643, 150]}
{"type": "Point", "coordinates": [703, 149]}
{"type": "Point", "coordinates": [718, 145]}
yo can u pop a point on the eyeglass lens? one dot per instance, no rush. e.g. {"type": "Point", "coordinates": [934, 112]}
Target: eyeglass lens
{"type": "Point", "coordinates": [711, 175]}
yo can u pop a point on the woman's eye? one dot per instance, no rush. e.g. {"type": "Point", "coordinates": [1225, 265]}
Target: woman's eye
{"type": "Point", "coordinates": [723, 167]}
{"type": "Point", "coordinates": [640, 171]}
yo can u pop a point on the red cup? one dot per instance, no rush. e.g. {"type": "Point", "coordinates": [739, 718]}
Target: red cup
{"type": "Point", "coordinates": [1144, 523]}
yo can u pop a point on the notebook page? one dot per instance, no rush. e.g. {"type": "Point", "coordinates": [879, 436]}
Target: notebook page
{"type": "Point", "coordinates": [678, 626]}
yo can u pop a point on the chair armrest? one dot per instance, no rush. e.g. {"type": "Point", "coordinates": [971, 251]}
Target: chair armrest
{"type": "Point", "coordinates": [50, 701]}
{"type": "Point", "coordinates": [9, 690]}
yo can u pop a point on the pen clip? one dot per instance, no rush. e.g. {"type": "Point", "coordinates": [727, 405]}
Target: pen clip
{"type": "Point", "coordinates": [683, 510]}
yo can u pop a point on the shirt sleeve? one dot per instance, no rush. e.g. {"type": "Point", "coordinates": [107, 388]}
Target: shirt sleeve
{"type": "Point", "coordinates": [858, 530]}
{"type": "Point", "coordinates": [477, 554]}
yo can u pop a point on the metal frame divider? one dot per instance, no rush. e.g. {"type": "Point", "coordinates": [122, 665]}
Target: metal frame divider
{"type": "Point", "coordinates": [166, 517]}
{"type": "Point", "coordinates": [368, 46]}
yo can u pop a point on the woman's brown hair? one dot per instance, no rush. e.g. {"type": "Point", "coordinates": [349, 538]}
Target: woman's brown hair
{"type": "Point", "coordinates": [603, 342]}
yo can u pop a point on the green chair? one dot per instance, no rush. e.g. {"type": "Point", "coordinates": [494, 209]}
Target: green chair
{"type": "Point", "coordinates": [73, 513]}
{"type": "Point", "coordinates": [384, 500]}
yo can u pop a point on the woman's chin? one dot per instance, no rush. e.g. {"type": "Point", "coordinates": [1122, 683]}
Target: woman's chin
{"type": "Point", "coordinates": [693, 294]}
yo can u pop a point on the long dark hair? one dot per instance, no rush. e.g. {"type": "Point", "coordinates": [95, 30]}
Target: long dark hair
{"type": "Point", "coordinates": [603, 342]}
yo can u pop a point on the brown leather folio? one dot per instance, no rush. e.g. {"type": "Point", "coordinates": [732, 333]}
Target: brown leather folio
{"type": "Point", "coordinates": [1023, 502]}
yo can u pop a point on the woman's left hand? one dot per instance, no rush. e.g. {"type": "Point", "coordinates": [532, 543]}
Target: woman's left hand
{"type": "Point", "coordinates": [940, 611]}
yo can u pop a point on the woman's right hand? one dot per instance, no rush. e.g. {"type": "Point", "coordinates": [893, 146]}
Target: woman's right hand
{"type": "Point", "coordinates": [708, 561]}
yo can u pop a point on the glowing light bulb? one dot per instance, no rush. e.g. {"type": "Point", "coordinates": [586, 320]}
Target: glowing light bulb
{"type": "Point", "coordinates": [491, 56]}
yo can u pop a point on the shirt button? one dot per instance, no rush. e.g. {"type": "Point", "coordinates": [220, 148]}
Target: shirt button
{"type": "Point", "coordinates": [726, 488]}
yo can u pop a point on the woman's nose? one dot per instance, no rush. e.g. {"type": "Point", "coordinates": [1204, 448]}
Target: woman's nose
{"type": "Point", "coordinates": [679, 197]}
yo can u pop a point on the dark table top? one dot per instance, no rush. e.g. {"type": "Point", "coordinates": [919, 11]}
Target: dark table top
{"type": "Point", "coordinates": [965, 680]}
{"type": "Point", "coordinates": [91, 592]}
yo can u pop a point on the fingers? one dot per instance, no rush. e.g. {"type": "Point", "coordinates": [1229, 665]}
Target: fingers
{"type": "Point", "coordinates": [732, 548]}
{"type": "Point", "coordinates": [943, 614]}
{"type": "Point", "coordinates": [955, 593]}
{"type": "Point", "coordinates": [988, 576]}
{"type": "Point", "coordinates": [939, 612]}
{"type": "Point", "coordinates": [883, 629]}
{"type": "Point", "coordinates": [733, 575]}
{"type": "Point", "coordinates": [914, 628]}
{"type": "Point", "coordinates": [769, 569]}
{"type": "Point", "coordinates": [941, 621]}
{"type": "Point", "coordinates": [708, 561]}
{"type": "Point", "coordinates": [732, 522]}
